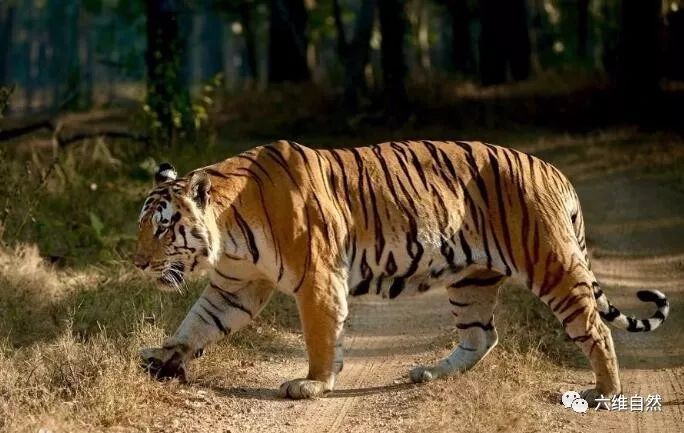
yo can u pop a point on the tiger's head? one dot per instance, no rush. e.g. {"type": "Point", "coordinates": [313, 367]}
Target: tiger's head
{"type": "Point", "coordinates": [176, 227]}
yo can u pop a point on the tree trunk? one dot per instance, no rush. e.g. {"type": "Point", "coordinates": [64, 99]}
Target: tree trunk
{"type": "Point", "coordinates": [288, 42]}
{"type": "Point", "coordinates": [640, 68]}
{"type": "Point", "coordinates": [212, 45]}
{"type": "Point", "coordinates": [582, 28]}
{"type": "Point", "coordinates": [166, 96]}
{"type": "Point", "coordinates": [393, 28]}
{"type": "Point", "coordinates": [6, 30]}
{"type": "Point", "coordinates": [31, 51]}
{"type": "Point", "coordinates": [87, 61]}
{"type": "Point", "coordinates": [73, 65]}
{"type": "Point", "coordinates": [504, 41]}
{"type": "Point", "coordinates": [518, 38]}
{"type": "Point", "coordinates": [355, 54]}
{"type": "Point", "coordinates": [461, 53]}
{"type": "Point", "coordinates": [492, 43]}
{"type": "Point", "coordinates": [250, 40]}
{"type": "Point", "coordinates": [675, 45]}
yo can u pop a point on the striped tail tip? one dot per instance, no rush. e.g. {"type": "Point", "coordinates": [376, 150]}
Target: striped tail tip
{"type": "Point", "coordinates": [657, 319]}
{"type": "Point", "coordinates": [613, 316]}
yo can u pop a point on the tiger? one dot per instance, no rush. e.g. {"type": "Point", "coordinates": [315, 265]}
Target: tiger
{"type": "Point", "coordinates": [391, 219]}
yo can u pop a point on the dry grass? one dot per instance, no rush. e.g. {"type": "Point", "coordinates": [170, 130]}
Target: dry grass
{"type": "Point", "coordinates": [504, 393]}
{"type": "Point", "coordinates": [69, 341]}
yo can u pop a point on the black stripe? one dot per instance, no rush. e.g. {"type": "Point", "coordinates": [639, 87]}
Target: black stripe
{"type": "Point", "coordinates": [612, 314]}
{"type": "Point", "coordinates": [231, 299]}
{"type": "Point", "coordinates": [401, 158]}
{"type": "Point", "coordinates": [222, 275]}
{"type": "Point", "coordinates": [483, 326]}
{"type": "Point", "coordinates": [397, 287]}
{"type": "Point", "coordinates": [432, 149]}
{"type": "Point", "coordinates": [362, 288]}
{"type": "Point", "coordinates": [377, 222]}
{"type": "Point", "coordinates": [343, 172]}
{"type": "Point", "coordinates": [572, 316]}
{"type": "Point", "coordinates": [361, 170]}
{"type": "Point", "coordinates": [498, 188]}
{"type": "Point", "coordinates": [466, 248]}
{"type": "Point", "coordinates": [248, 234]}
{"type": "Point", "coordinates": [483, 230]}
{"type": "Point", "coordinates": [411, 244]}
{"type": "Point", "coordinates": [377, 152]}
{"type": "Point", "coordinates": [256, 163]}
{"type": "Point", "coordinates": [391, 265]}
{"type": "Point", "coordinates": [216, 320]}
{"type": "Point", "coordinates": [280, 160]}
{"type": "Point", "coordinates": [480, 282]}
{"type": "Point", "coordinates": [417, 166]}
{"type": "Point", "coordinates": [475, 170]}
{"type": "Point", "coordinates": [459, 304]}
{"type": "Point", "coordinates": [633, 325]}
{"type": "Point", "coordinates": [525, 227]}
{"type": "Point", "coordinates": [213, 172]}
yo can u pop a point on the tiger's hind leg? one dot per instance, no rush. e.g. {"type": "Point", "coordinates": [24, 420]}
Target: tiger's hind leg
{"type": "Point", "coordinates": [473, 300]}
{"type": "Point", "coordinates": [572, 302]}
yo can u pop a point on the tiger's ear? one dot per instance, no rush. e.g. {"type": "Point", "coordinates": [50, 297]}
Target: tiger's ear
{"type": "Point", "coordinates": [199, 187]}
{"type": "Point", "coordinates": [165, 173]}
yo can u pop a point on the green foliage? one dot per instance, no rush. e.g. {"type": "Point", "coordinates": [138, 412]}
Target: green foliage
{"type": "Point", "coordinates": [204, 101]}
{"type": "Point", "coordinates": [76, 209]}
{"type": "Point", "coordinates": [189, 119]}
{"type": "Point", "coordinates": [97, 225]}
{"type": "Point", "coordinates": [22, 188]}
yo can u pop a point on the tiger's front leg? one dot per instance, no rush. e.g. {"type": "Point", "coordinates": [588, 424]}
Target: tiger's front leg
{"type": "Point", "coordinates": [322, 311]}
{"type": "Point", "coordinates": [217, 313]}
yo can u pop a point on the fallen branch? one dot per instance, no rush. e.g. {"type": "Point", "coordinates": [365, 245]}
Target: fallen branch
{"type": "Point", "coordinates": [64, 132]}
{"type": "Point", "coordinates": [32, 126]}
{"type": "Point", "coordinates": [78, 136]}
{"type": "Point", "coordinates": [56, 124]}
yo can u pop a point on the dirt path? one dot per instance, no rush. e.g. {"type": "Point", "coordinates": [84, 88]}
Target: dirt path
{"type": "Point", "coordinates": [638, 228]}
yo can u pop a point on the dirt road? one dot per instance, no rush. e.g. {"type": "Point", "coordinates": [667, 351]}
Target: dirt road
{"type": "Point", "coordinates": [637, 228]}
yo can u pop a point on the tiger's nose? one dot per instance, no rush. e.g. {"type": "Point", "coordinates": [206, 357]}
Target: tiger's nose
{"type": "Point", "coordinates": [140, 262]}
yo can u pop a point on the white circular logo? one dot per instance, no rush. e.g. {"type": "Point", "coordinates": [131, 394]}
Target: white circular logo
{"type": "Point", "coordinates": [580, 405]}
{"type": "Point", "coordinates": [569, 397]}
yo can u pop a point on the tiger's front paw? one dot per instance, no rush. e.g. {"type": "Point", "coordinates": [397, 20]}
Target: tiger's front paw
{"type": "Point", "coordinates": [163, 363]}
{"type": "Point", "coordinates": [424, 374]}
{"type": "Point", "coordinates": [303, 388]}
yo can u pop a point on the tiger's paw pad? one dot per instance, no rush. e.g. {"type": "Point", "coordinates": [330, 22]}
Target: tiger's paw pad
{"type": "Point", "coordinates": [423, 374]}
{"type": "Point", "coordinates": [163, 364]}
{"type": "Point", "coordinates": [302, 388]}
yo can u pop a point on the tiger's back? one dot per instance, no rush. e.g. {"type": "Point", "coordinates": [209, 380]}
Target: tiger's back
{"type": "Point", "coordinates": [406, 216]}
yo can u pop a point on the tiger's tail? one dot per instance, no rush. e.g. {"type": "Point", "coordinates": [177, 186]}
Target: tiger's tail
{"type": "Point", "coordinates": [619, 320]}
{"type": "Point", "coordinates": [607, 310]}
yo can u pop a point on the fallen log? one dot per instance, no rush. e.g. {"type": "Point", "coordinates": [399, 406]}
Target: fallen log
{"type": "Point", "coordinates": [66, 130]}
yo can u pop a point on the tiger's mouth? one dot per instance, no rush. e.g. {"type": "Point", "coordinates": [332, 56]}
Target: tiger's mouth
{"type": "Point", "coordinates": [173, 276]}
